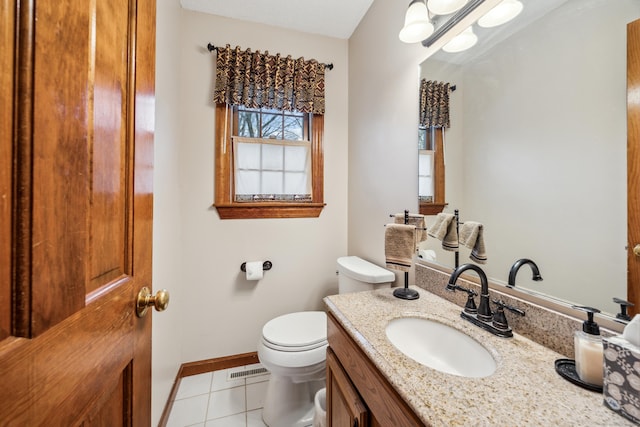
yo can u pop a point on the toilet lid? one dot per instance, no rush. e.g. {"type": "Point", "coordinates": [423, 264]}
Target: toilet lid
{"type": "Point", "coordinates": [302, 329]}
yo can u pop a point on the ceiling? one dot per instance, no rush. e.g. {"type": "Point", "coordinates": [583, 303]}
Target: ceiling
{"type": "Point", "coordinates": [333, 18]}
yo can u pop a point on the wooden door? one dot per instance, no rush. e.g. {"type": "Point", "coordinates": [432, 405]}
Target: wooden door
{"type": "Point", "coordinates": [76, 160]}
{"type": "Point", "coordinates": [345, 408]}
{"type": "Point", "coordinates": [633, 164]}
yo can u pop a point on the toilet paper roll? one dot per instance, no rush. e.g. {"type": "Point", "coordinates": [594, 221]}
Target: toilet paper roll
{"type": "Point", "coordinates": [254, 270]}
{"type": "Point", "coordinates": [427, 254]}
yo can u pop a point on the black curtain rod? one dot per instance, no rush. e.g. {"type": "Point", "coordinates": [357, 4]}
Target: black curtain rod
{"type": "Point", "coordinates": [452, 88]}
{"type": "Point", "coordinates": [211, 48]}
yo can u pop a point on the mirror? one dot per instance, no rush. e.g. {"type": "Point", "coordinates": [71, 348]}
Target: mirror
{"type": "Point", "coordinates": [536, 150]}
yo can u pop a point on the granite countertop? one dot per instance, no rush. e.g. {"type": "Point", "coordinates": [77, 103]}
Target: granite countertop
{"type": "Point", "coordinates": [525, 389]}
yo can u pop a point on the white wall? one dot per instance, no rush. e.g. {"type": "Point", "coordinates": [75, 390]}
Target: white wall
{"type": "Point", "coordinates": [224, 313]}
{"type": "Point", "coordinates": [384, 78]}
{"type": "Point", "coordinates": [167, 260]}
{"type": "Point", "coordinates": [383, 122]}
{"type": "Point", "coordinates": [214, 311]}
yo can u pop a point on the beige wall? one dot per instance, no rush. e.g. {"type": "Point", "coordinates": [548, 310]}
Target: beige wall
{"type": "Point", "coordinates": [214, 311]}
{"type": "Point", "coordinates": [223, 314]}
{"type": "Point", "coordinates": [167, 222]}
{"type": "Point", "coordinates": [383, 120]}
{"type": "Point", "coordinates": [384, 75]}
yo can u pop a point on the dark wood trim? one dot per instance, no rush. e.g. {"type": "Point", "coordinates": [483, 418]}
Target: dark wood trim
{"type": "Point", "coordinates": [210, 365]}
{"type": "Point", "coordinates": [223, 198]}
{"type": "Point", "coordinates": [317, 158]}
{"type": "Point", "coordinates": [7, 106]}
{"type": "Point", "coordinates": [201, 367]}
{"type": "Point", "coordinates": [23, 169]}
{"type": "Point", "coordinates": [438, 168]}
{"type": "Point", "coordinates": [633, 165]}
{"type": "Point", "coordinates": [274, 210]}
{"type": "Point", "coordinates": [432, 208]}
{"type": "Point", "coordinates": [343, 396]}
{"type": "Point", "coordinates": [222, 150]}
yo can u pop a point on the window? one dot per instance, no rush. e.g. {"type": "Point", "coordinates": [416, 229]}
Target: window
{"type": "Point", "coordinates": [431, 170]}
{"type": "Point", "coordinates": [269, 163]}
{"type": "Point", "coordinates": [272, 155]}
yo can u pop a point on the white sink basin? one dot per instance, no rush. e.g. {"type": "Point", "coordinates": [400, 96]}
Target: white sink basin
{"type": "Point", "coordinates": [440, 347]}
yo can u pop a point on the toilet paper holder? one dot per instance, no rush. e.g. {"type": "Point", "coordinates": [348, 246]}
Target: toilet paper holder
{"type": "Point", "coordinates": [265, 266]}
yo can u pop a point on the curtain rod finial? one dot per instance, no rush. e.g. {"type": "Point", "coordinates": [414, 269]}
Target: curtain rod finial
{"type": "Point", "coordinates": [211, 47]}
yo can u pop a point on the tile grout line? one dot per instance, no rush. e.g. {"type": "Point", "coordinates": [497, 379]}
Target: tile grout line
{"type": "Point", "coordinates": [246, 412]}
{"type": "Point", "coordinates": [209, 394]}
{"type": "Point", "coordinates": [206, 413]}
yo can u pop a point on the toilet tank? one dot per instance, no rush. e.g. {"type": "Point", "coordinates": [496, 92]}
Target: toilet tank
{"type": "Point", "coordinates": [356, 274]}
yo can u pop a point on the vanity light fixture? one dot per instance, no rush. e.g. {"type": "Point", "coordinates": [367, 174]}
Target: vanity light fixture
{"type": "Point", "coordinates": [505, 11]}
{"type": "Point", "coordinates": [445, 7]}
{"type": "Point", "coordinates": [462, 41]}
{"type": "Point", "coordinates": [451, 21]}
{"type": "Point", "coordinates": [417, 25]}
{"type": "Point", "coordinates": [417, 21]}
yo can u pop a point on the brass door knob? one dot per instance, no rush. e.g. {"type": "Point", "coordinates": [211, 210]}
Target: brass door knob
{"type": "Point", "coordinates": [636, 250]}
{"type": "Point", "coordinates": [160, 301]}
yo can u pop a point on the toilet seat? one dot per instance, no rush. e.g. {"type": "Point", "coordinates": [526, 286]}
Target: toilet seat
{"type": "Point", "coordinates": [296, 332]}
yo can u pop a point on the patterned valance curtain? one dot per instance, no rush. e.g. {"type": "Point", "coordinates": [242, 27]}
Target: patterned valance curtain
{"type": "Point", "coordinates": [260, 80]}
{"type": "Point", "coordinates": [434, 104]}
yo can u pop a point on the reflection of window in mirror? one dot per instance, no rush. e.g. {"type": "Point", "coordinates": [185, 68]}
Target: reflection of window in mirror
{"type": "Point", "coordinates": [431, 170]}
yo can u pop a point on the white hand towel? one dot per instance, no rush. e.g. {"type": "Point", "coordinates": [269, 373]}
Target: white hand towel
{"type": "Point", "coordinates": [471, 236]}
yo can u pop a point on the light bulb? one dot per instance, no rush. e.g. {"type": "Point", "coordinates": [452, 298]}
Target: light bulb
{"type": "Point", "coordinates": [417, 26]}
{"type": "Point", "coordinates": [462, 41]}
{"type": "Point", "coordinates": [505, 11]}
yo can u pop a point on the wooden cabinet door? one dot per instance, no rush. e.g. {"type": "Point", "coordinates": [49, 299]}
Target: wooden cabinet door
{"type": "Point", "coordinates": [633, 164]}
{"type": "Point", "coordinates": [345, 408]}
{"type": "Point", "coordinates": [76, 160]}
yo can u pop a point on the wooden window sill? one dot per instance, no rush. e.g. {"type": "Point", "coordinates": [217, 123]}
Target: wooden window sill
{"type": "Point", "coordinates": [432, 208]}
{"type": "Point", "coordinates": [269, 210]}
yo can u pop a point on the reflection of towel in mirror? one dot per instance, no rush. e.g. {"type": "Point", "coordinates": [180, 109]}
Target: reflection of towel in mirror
{"type": "Point", "coordinates": [471, 236]}
{"type": "Point", "coordinates": [399, 246]}
{"type": "Point", "coordinates": [444, 228]}
{"type": "Point", "coordinates": [416, 220]}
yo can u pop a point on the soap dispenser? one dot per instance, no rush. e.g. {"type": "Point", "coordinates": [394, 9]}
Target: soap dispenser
{"type": "Point", "coordinates": [588, 349]}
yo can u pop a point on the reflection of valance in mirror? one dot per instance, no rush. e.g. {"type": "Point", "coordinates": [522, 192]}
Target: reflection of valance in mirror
{"type": "Point", "coordinates": [260, 80]}
{"type": "Point", "coordinates": [434, 104]}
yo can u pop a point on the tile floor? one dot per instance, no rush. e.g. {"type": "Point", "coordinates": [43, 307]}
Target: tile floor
{"type": "Point", "coordinates": [211, 400]}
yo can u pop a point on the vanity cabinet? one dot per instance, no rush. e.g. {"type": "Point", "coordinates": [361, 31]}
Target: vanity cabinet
{"type": "Point", "coordinates": [357, 393]}
{"type": "Point", "coordinates": [344, 405]}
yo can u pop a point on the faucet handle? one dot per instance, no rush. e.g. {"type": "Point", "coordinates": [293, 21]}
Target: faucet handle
{"type": "Point", "coordinates": [499, 318]}
{"type": "Point", "coordinates": [623, 315]}
{"type": "Point", "coordinates": [470, 306]}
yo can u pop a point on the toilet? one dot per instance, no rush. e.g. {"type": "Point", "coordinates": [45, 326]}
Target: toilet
{"type": "Point", "coordinates": [293, 349]}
